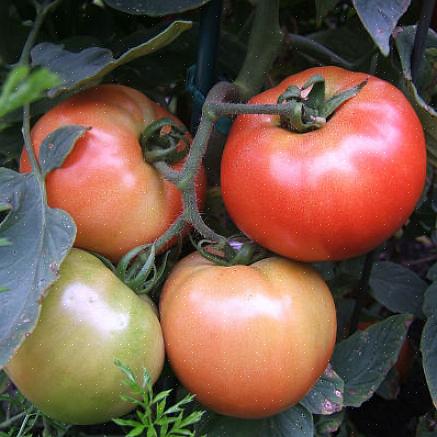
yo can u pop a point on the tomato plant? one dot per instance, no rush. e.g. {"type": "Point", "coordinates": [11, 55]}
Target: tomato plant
{"type": "Point", "coordinates": [88, 319]}
{"type": "Point", "coordinates": [406, 354]}
{"type": "Point", "coordinates": [333, 192]}
{"type": "Point", "coordinates": [325, 164]}
{"type": "Point", "coordinates": [117, 200]}
{"type": "Point", "coordinates": [248, 341]}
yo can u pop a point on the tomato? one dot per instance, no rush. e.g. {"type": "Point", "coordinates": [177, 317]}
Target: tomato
{"type": "Point", "coordinates": [248, 341]}
{"type": "Point", "coordinates": [117, 200]}
{"type": "Point", "coordinates": [406, 354]}
{"type": "Point", "coordinates": [330, 193]}
{"type": "Point", "coordinates": [88, 319]}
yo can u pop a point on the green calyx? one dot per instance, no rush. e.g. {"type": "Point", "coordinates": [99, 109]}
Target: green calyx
{"type": "Point", "coordinates": [310, 109]}
{"type": "Point", "coordinates": [164, 140]}
{"type": "Point", "coordinates": [235, 250]}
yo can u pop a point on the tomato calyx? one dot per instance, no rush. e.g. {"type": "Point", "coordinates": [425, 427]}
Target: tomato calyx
{"type": "Point", "coordinates": [164, 140]}
{"type": "Point", "coordinates": [236, 250]}
{"type": "Point", "coordinates": [310, 109]}
{"type": "Point", "coordinates": [140, 268]}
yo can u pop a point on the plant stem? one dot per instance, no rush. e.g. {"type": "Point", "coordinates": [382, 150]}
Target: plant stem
{"type": "Point", "coordinates": [264, 42]}
{"type": "Point", "coordinates": [11, 420]}
{"type": "Point", "coordinates": [361, 291]}
{"type": "Point", "coordinates": [41, 12]}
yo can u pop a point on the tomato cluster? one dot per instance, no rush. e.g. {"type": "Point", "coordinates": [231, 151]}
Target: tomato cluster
{"type": "Point", "coordinates": [248, 340]}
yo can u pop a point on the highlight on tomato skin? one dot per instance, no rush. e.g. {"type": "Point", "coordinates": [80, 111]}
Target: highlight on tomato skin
{"type": "Point", "coordinates": [88, 319]}
{"type": "Point", "coordinates": [248, 341]}
{"type": "Point", "coordinates": [334, 192]}
{"type": "Point", "coordinates": [117, 200]}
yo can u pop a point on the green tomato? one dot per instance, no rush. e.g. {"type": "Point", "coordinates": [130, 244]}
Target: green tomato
{"type": "Point", "coordinates": [88, 319]}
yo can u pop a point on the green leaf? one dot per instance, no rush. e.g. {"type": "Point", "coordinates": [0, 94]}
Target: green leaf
{"type": "Point", "coordinates": [427, 426]}
{"type": "Point", "coordinates": [428, 116]}
{"type": "Point", "coordinates": [397, 288]}
{"type": "Point", "coordinates": [389, 388]}
{"type": "Point", "coordinates": [155, 8]}
{"type": "Point", "coordinates": [23, 86]}
{"type": "Point", "coordinates": [328, 424]}
{"type": "Point", "coordinates": [297, 421]}
{"type": "Point", "coordinates": [326, 397]}
{"type": "Point", "coordinates": [57, 146]}
{"type": "Point", "coordinates": [364, 359]}
{"type": "Point", "coordinates": [428, 344]}
{"type": "Point", "coordinates": [41, 238]}
{"type": "Point", "coordinates": [224, 426]}
{"type": "Point", "coordinates": [90, 65]}
{"type": "Point", "coordinates": [432, 273]}
{"type": "Point", "coordinates": [380, 17]}
{"type": "Point", "coordinates": [323, 7]}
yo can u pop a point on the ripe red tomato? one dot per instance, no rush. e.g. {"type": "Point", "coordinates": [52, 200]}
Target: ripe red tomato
{"type": "Point", "coordinates": [88, 319]}
{"type": "Point", "coordinates": [248, 341]}
{"type": "Point", "coordinates": [331, 193]}
{"type": "Point", "coordinates": [117, 200]}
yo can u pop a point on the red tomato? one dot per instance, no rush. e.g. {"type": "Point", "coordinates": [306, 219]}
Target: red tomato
{"type": "Point", "coordinates": [117, 200]}
{"type": "Point", "coordinates": [248, 341]}
{"type": "Point", "coordinates": [331, 193]}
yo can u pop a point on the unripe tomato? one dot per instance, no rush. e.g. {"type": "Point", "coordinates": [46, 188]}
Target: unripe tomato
{"type": "Point", "coordinates": [117, 200]}
{"type": "Point", "coordinates": [88, 319]}
{"type": "Point", "coordinates": [248, 341]}
{"type": "Point", "coordinates": [331, 193]}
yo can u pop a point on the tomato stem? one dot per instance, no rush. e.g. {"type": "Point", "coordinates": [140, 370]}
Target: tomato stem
{"type": "Point", "coordinates": [265, 33]}
{"type": "Point", "coordinates": [41, 12]}
{"type": "Point", "coordinates": [361, 291]}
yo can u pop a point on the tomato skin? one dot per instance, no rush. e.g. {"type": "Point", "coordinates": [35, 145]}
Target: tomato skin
{"type": "Point", "coordinates": [332, 193]}
{"type": "Point", "coordinates": [248, 341]}
{"type": "Point", "coordinates": [88, 319]}
{"type": "Point", "coordinates": [116, 199]}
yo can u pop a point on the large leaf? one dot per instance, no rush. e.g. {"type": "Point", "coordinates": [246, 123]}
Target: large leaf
{"type": "Point", "coordinates": [223, 426]}
{"type": "Point", "coordinates": [380, 17]}
{"type": "Point", "coordinates": [40, 238]}
{"type": "Point", "coordinates": [294, 422]}
{"type": "Point", "coordinates": [417, 94]}
{"type": "Point", "coordinates": [155, 8]}
{"type": "Point", "coordinates": [428, 343]}
{"type": "Point", "coordinates": [297, 421]}
{"type": "Point", "coordinates": [397, 288]}
{"type": "Point", "coordinates": [364, 359]}
{"type": "Point", "coordinates": [326, 397]}
{"type": "Point", "coordinates": [92, 64]}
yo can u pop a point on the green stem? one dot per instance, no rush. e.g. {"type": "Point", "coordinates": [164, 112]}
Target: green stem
{"type": "Point", "coordinates": [194, 218]}
{"type": "Point", "coordinates": [264, 43]}
{"type": "Point", "coordinates": [41, 12]}
{"type": "Point", "coordinates": [7, 423]}
{"type": "Point", "coordinates": [174, 230]}
{"type": "Point", "coordinates": [36, 168]}
{"type": "Point", "coordinates": [197, 152]}
{"type": "Point", "coordinates": [220, 109]}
